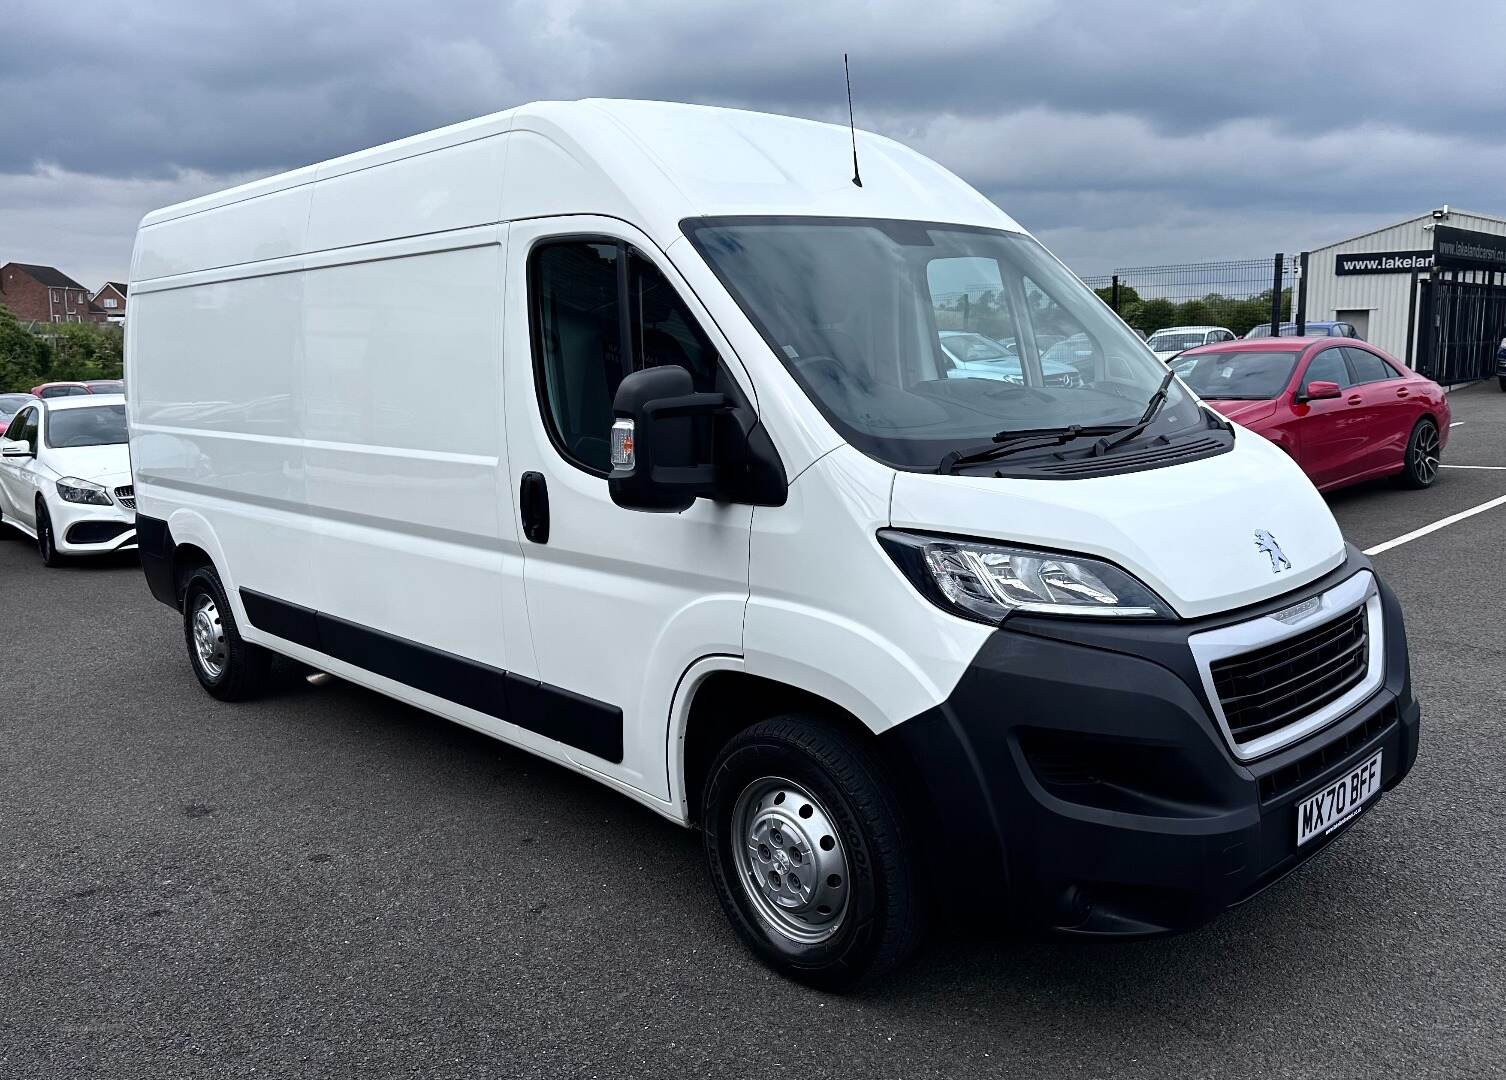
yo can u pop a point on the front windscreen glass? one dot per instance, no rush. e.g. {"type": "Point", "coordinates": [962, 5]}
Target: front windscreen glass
{"type": "Point", "coordinates": [917, 339]}
{"type": "Point", "coordinates": [1233, 376]}
{"type": "Point", "coordinates": [101, 425]}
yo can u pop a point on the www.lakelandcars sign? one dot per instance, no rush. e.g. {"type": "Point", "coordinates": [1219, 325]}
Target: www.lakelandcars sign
{"type": "Point", "coordinates": [1382, 262]}
{"type": "Point", "coordinates": [1465, 249]}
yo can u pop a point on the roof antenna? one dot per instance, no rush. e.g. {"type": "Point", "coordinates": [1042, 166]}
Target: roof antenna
{"type": "Point", "coordinates": [857, 177]}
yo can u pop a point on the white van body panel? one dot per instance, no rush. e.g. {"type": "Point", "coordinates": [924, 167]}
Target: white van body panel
{"type": "Point", "coordinates": [830, 612]}
{"type": "Point", "coordinates": [1162, 525]}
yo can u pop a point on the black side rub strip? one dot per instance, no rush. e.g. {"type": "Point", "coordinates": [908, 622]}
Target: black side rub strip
{"type": "Point", "coordinates": [582, 722]}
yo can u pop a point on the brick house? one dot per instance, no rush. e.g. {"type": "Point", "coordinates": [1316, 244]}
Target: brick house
{"type": "Point", "coordinates": [111, 298]}
{"type": "Point", "coordinates": [45, 294]}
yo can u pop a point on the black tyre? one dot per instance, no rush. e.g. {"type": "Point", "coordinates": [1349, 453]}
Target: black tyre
{"type": "Point", "coordinates": [228, 667]}
{"type": "Point", "coordinates": [805, 839]}
{"type": "Point", "coordinates": [1421, 467]}
{"type": "Point", "coordinates": [1502, 380]}
{"type": "Point", "coordinates": [46, 541]}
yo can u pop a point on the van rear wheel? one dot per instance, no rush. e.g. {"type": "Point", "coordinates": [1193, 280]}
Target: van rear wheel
{"type": "Point", "coordinates": [805, 840]}
{"type": "Point", "coordinates": [228, 667]}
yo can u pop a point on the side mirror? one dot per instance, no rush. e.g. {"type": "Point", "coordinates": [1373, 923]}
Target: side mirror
{"type": "Point", "coordinates": [1320, 389]}
{"type": "Point", "coordinates": [15, 450]}
{"type": "Point", "coordinates": [662, 441]}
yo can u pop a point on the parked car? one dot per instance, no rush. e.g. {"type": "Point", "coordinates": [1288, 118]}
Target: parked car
{"type": "Point", "coordinates": [65, 476]}
{"type": "Point", "coordinates": [61, 389]}
{"type": "Point", "coordinates": [9, 405]}
{"type": "Point", "coordinates": [975, 356]}
{"type": "Point", "coordinates": [1170, 340]}
{"type": "Point", "coordinates": [1082, 658]}
{"type": "Point", "coordinates": [1345, 411]}
{"type": "Point", "coordinates": [1310, 329]}
{"type": "Point", "coordinates": [106, 386]}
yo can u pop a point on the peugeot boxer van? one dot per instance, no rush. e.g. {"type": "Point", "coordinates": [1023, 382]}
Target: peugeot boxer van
{"type": "Point", "coordinates": [624, 432]}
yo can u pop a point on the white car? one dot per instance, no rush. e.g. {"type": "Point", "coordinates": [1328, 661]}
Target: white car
{"type": "Point", "coordinates": [65, 476]}
{"type": "Point", "coordinates": [1170, 340]}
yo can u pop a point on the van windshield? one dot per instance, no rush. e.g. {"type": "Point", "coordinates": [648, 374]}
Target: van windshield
{"type": "Point", "coordinates": [871, 318]}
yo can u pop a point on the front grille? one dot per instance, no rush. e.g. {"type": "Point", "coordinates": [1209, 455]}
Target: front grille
{"type": "Point", "coordinates": [125, 495]}
{"type": "Point", "coordinates": [1265, 690]}
{"type": "Point", "coordinates": [95, 532]}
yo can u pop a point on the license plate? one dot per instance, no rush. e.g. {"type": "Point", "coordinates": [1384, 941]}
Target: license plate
{"type": "Point", "coordinates": [1320, 814]}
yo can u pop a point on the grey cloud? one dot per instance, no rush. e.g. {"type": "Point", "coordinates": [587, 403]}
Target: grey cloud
{"type": "Point", "coordinates": [1144, 124]}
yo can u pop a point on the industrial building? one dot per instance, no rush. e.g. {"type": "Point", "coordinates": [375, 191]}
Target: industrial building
{"type": "Point", "coordinates": [1430, 290]}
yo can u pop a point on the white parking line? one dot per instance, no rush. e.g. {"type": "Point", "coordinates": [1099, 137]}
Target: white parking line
{"type": "Point", "coordinates": [1435, 526]}
{"type": "Point", "coordinates": [1456, 423]}
{"type": "Point", "coordinates": [1496, 468]}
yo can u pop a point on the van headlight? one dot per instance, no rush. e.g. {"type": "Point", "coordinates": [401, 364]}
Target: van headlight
{"type": "Point", "coordinates": [987, 582]}
{"type": "Point", "coordinates": [72, 489]}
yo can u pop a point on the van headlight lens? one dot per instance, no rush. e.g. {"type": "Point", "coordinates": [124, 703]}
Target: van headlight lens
{"type": "Point", "coordinates": [988, 582]}
{"type": "Point", "coordinates": [72, 489]}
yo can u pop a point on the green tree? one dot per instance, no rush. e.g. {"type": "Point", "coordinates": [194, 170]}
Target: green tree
{"type": "Point", "coordinates": [25, 359]}
{"type": "Point", "coordinates": [85, 351]}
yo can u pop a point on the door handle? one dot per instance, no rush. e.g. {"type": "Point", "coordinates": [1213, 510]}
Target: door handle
{"type": "Point", "coordinates": [1355, 399]}
{"type": "Point", "coordinates": [533, 504]}
{"type": "Point", "coordinates": [1401, 391]}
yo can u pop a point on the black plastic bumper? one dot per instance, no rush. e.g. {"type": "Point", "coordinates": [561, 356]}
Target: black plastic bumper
{"type": "Point", "coordinates": [1078, 779]}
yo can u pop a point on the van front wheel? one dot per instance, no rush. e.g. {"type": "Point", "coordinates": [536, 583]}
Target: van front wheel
{"type": "Point", "coordinates": [804, 837]}
{"type": "Point", "coordinates": [228, 667]}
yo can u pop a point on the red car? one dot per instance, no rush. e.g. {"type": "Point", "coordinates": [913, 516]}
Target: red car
{"type": "Point", "coordinates": [60, 389]}
{"type": "Point", "coordinates": [1343, 409]}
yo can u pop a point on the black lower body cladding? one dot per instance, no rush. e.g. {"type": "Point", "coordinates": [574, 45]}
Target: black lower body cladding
{"type": "Point", "coordinates": [1078, 773]}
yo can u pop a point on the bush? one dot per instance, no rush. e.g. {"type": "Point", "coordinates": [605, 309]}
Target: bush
{"type": "Point", "coordinates": [57, 352]}
{"type": "Point", "coordinates": [25, 358]}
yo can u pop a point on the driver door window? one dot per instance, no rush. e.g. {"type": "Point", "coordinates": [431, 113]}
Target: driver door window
{"type": "Point", "coordinates": [601, 310]}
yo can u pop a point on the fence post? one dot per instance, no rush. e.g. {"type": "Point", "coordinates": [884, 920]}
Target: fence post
{"type": "Point", "coordinates": [1276, 296]}
{"type": "Point", "coordinates": [966, 309]}
{"type": "Point", "coordinates": [1301, 313]}
{"type": "Point", "coordinates": [1114, 295]}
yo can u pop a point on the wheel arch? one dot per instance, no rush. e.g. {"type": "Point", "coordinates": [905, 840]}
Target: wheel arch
{"type": "Point", "coordinates": [718, 698]}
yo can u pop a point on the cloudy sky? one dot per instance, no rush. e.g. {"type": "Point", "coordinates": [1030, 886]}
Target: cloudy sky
{"type": "Point", "coordinates": [1122, 133]}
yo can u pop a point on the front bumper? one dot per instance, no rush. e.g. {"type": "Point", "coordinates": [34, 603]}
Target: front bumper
{"type": "Point", "coordinates": [91, 529]}
{"type": "Point", "coordinates": [1079, 776]}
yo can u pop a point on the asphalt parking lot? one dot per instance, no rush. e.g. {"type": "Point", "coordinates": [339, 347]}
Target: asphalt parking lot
{"type": "Point", "coordinates": [328, 883]}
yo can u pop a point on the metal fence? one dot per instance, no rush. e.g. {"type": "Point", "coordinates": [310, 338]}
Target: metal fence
{"type": "Point", "coordinates": [1460, 317]}
{"type": "Point", "coordinates": [1236, 294]}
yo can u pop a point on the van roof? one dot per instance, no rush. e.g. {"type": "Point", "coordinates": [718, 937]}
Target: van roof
{"type": "Point", "coordinates": [667, 161]}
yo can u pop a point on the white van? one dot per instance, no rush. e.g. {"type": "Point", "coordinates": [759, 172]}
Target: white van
{"type": "Point", "coordinates": [622, 432]}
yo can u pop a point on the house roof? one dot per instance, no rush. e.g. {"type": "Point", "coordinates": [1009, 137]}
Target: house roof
{"type": "Point", "coordinates": [48, 275]}
{"type": "Point", "coordinates": [118, 286]}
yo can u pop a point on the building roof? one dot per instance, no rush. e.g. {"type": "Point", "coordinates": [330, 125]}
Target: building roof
{"type": "Point", "coordinates": [118, 286]}
{"type": "Point", "coordinates": [1453, 211]}
{"type": "Point", "coordinates": [48, 275]}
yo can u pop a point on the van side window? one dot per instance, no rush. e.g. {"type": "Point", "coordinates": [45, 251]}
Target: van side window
{"type": "Point", "coordinates": [578, 345]}
{"type": "Point", "coordinates": [601, 310]}
{"type": "Point", "coordinates": [662, 328]}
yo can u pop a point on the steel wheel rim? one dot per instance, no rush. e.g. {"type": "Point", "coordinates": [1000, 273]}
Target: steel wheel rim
{"type": "Point", "coordinates": [1425, 454]}
{"type": "Point", "coordinates": [791, 860]}
{"type": "Point", "coordinates": [208, 636]}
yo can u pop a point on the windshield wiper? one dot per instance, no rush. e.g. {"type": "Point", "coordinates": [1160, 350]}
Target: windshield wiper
{"type": "Point", "coordinates": [1153, 407]}
{"type": "Point", "coordinates": [1013, 442]}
